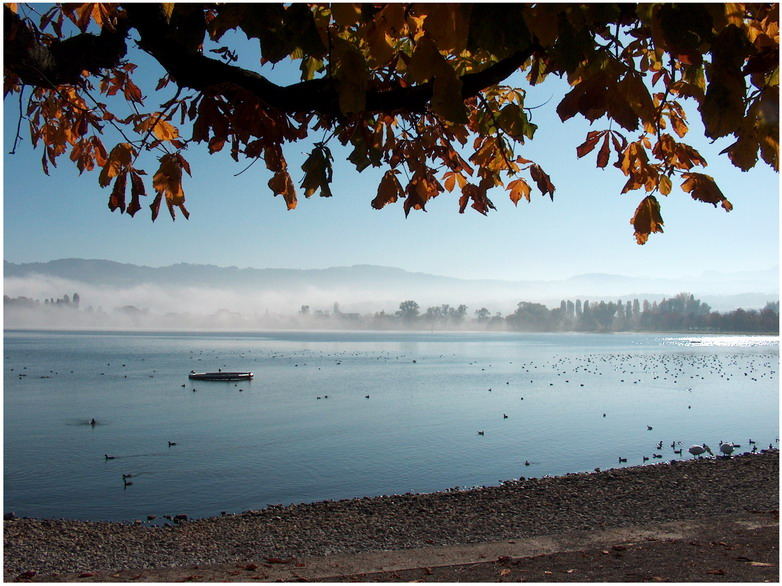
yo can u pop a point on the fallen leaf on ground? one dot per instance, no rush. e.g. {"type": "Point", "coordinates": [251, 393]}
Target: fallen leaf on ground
{"type": "Point", "coordinates": [762, 564]}
{"type": "Point", "coordinates": [506, 571]}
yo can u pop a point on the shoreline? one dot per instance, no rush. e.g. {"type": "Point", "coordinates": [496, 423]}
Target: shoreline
{"type": "Point", "coordinates": [619, 497]}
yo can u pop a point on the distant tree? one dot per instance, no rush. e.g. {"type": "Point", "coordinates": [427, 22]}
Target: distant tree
{"type": "Point", "coordinates": [425, 90]}
{"type": "Point", "coordinates": [482, 314]}
{"type": "Point", "coordinates": [304, 310]}
{"type": "Point", "coordinates": [76, 300]}
{"type": "Point", "coordinates": [408, 310]}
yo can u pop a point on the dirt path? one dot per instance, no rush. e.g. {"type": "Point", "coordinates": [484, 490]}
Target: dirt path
{"type": "Point", "coordinates": [722, 549]}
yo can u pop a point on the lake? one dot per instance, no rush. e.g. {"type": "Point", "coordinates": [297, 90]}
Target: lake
{"type": "Point", "coordinates": [334, 415]}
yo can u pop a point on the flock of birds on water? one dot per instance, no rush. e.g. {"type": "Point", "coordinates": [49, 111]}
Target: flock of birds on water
{"type": "Point", "coordinates": [663, 371]}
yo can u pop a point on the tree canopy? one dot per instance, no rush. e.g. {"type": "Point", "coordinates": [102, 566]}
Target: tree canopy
{"type": "Point", "coordinates": [425, 91]}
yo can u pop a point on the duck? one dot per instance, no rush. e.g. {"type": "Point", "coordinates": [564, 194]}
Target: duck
{"type": "Point", "coordinates": [171, 444]}
{"type": "Point", "coordinates": [621, 459]}
{"type": "Point", "coordinates": [109, 457]}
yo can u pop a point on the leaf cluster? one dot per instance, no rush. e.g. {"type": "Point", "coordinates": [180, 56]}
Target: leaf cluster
{"type": "Point", "coordinates": [419, 89]}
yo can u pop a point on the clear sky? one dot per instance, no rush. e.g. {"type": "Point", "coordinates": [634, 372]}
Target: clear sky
{"type": "Point", "coordinates": [235, 221]}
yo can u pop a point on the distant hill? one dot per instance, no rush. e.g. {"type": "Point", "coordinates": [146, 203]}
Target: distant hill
{"type": "Point", "coordinates": [364, 288]}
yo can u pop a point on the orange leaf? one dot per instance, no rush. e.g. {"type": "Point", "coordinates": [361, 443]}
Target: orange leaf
{"type": "Point", "coordinates": [119, 158]}
{"type": "Point", "coordinates": [281, 184]}
{"type": "Point", "coordinates": [518, 189]}
{"type": "Point", "coordinates": [161, 129]}
{"type": "Point", "coordinates": [168, 179]}
{"type": "Point", "coordinates": [647, 219]}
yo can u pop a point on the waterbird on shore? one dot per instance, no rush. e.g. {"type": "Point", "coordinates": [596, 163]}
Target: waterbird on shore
{"type": "Point", "coordinates": [504, 416]}
{"type": "Point", "coordinates": [679, 451]}
{"type": "Point", "coordinates": [171, 444]}
{"type": "Point", "coordinates": [621, 459]}
{"type": "Point", "coordinates": [481, 433]}
{"type": "Point", "coordinates": [93, 422]}
{"type": "Point", "coordinates": [649, 428]}
{"type": "Point", "coordinates": [124, 476]}
{"type": "Point", "coordinates": [109, 457]}
{"type": "Point", "coordinates": [698, 449]}
{"type": "Point", "coordinates": [660, 445]}
{"type": "Point", "coordinates": [645, 458]}
{"type": "Point", "coordinates": [727, 448]}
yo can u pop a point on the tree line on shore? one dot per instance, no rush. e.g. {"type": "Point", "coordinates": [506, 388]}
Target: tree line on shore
{"type": "Point", "coordinates": [682, 312]}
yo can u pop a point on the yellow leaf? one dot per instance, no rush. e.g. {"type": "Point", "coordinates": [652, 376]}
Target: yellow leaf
{"type": "Point", "coordinates": [161, 129]}
{"type": "Point", "coordinates": [168, 9]}
{"type": "Point", "coordinates": [168, 180]}
{"type": "Point", "coordinates": [665, 184]}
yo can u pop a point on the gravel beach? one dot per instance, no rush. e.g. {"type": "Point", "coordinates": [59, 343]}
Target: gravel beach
{"type": "Point", "coordinates": [683, 490]}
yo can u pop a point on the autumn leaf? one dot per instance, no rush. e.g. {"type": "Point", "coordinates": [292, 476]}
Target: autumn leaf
{"type": "Point", "coordinates": [167, 182]}
{"type": "Point", "coordinates": [136, 190]}
{"type": "Point", "coordinates": [117, 197]}
{"type": "Point", "coordinates": [647, 219]}
{"type": "Point", "coordinates": [586, 147]}
{"type": "Point", "coordinates": [281, 184]}
{"type": "Point", "coordinates": [119, 158]}
{"type": "Point", "coordinates": [542, 180]}
{"type": "Point", "coordinates": [161, 129]}
{"type": "Point", "coordinates": [518, 189]}
{"type": "Point", "coordinates": [317, 172]}
{"type": "Point", "coordinates": [451, 178]}
{"type": "Point", "coordinates": [703, 188]}
{"type": "Point", "coordinates": [168, 10]}
{"type": "Point", "coordinates": [389, 190]}
{"type": "Point", "coordinates": [603, 154]}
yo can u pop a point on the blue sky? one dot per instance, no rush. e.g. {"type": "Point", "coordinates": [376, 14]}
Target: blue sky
{"type": "Point", "coordinates": [235, 221]}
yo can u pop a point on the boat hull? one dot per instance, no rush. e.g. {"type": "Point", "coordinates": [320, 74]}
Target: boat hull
{"type": "Point", "coordinates": [221, 376]}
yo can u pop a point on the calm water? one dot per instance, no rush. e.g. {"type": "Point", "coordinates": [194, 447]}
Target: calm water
{"type": "Point", "coordinates": [245, 445]}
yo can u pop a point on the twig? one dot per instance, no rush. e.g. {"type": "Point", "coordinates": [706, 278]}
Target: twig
{"type": "Point", "coordinates": [18, 123]}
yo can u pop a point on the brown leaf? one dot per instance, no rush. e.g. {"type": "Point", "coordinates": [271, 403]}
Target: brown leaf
{"type": "Point", "coordinates": [703, 188]}
{"type": "Point", "coordinates": [281, 184]}
{"type": "Point", "coordinates": [762, 564]}
{"type": "Point", "coordinates": [586, 147]}
{"type": "Point", "coordinates": [647, 219]}
{"type": "Point", "coordinates": [504, 572]}
{"type": "Point", "coordinates": [602, 156]}
{"type": "Point", "coordinates": [389, 190]}
{"type": "Point", "coordinates": [542, 180]}
{"type": "Point", "coordinates": [117, 197]}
